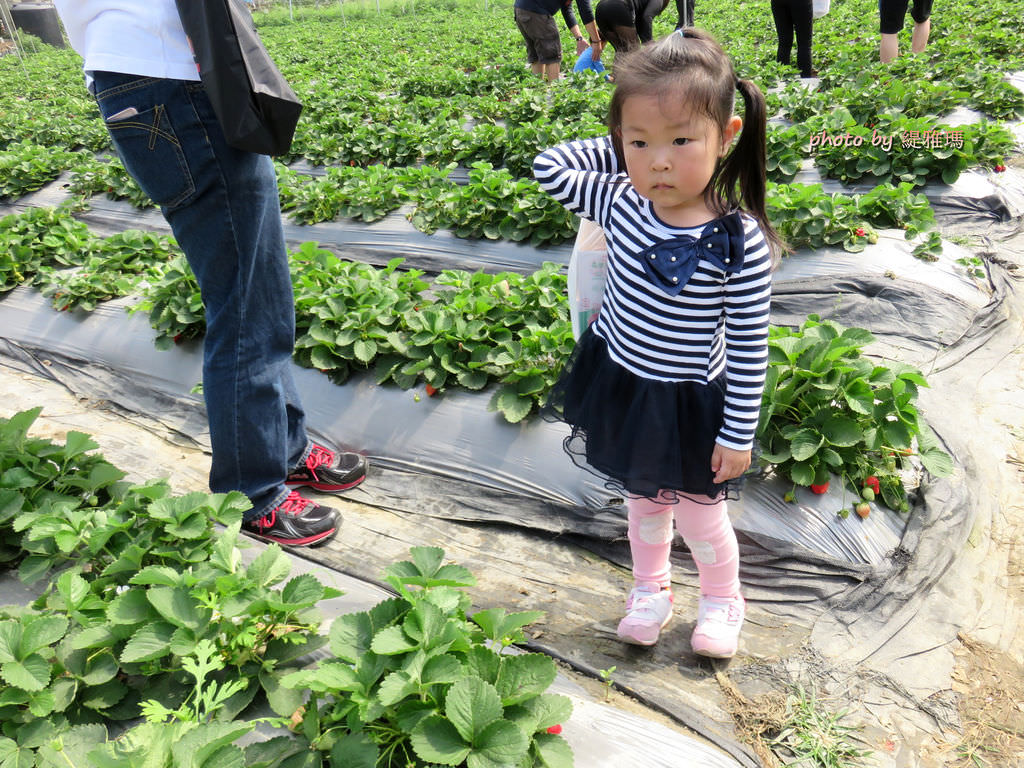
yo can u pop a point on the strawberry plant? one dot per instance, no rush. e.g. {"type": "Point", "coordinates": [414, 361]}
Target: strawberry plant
{"type": "Point", "coordinates": [40, 238]}
{"type": "Point", "coordinates": [109, 177]}
{"type": "Point", "coordinates": [784, 152]}
{"type": "Point", "coordinates": [898, 149]}
{"type": "Point", "coordinates": [828, 410]}
{"type": "Point", "coordinates": [174, 304]}
{"type": "Point", "coordinates": [117, 267]}
{"type": "Point", "coordinates": [347, 312]}
{"type": "Point", "coordinates": [808, 217]}
{"type": "Point", "coordinates": [418, 680]}
{"type": "Point", "coordinates": [494, 205]}
{"type": "Point", "coordinates": [26, 167]}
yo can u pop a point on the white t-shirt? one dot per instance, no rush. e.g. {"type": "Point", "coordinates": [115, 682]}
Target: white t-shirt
{"type": "Point", "coordinates": [132, 37]}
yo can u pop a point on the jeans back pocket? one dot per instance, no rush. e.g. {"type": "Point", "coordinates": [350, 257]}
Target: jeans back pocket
{"type": "Point", "coordinates": [152, 154]}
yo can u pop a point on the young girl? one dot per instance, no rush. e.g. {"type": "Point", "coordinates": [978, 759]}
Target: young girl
{"type": "Point", "coordinates": [663, 390]}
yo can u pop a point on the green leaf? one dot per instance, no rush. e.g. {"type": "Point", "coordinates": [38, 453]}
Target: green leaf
{"type": "Point", "coordinates": [436, 740]}
{"type": "Point", "coordinates": [31, 673]}
{"type": "Point", "coordinates": [104, 696]}
{"type": "Point", "coordinates": [524, 676]}
{"type": "Point", "coordinates": [150, 642]}
{"type": "Point", "coordinates": [498, 626]}
{"type": "Point", "coordinates": [93, 637]}
{"type": "Point", "coordinates": [441, 669]}
{"type": "Point", "coordinates": [553, 751]}
{"type": "Point", "coordinates": [178, 607]}
{"type": "Point", "coordinates": [805, 443]}
{"type": "Point", "coordinates": [512, 406]}
{"type": "Point", "coordinates": [365, 350]}
{"type": "Point", "coordinates": [198, 746]}
{"type": "Point", "coordinates": [392, 641]}
{"type": "Point", "coordinates": [803, 473]}
{"type": "Point", "coordinates": [41, 631]}
{"type": "Point", "coordinates": [859, 396]}
{"type": "Point", "coordinates": [842, 431]}
{"type": "Point", "coordinates": [270, 567]}
{"type": "Point", "coordinates": [131, 607]}
{"type": "Point", "coordinates": [395, 687]}
{"type": "Point", "coordinates": [501, 743]}
{"type": "Point", "coordinates": [472, 705]}
{"type": "Point", "coordinates": [302, 591]}
{"type": "Point", "coordinates": [99, 668]}
{"type": "Point", "coordinates": [283, 701]}
{"type": "Point", "coordinates": [354, 750]}
{"type": "Point", "coordinates": [937, 462]}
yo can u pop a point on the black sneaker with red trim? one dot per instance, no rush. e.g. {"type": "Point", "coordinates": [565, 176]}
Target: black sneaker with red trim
{"type": "Point", "coordinates": [296, 522]}
{"type": "Point", "coordinates": [329, 471]}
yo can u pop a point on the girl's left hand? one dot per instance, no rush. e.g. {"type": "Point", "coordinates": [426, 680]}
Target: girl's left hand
{"type": "Point", "coordinates": [727, 463]}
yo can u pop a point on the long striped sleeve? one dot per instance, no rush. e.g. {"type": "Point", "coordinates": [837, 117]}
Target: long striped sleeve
{"type": "Point", "coordinates": [747, 306]}
{"type": "Point", "coordinates": [581, 175]}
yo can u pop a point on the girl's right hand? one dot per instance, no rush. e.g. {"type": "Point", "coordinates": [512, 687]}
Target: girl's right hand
{"type": "Point", "coordinates": [728, 464]}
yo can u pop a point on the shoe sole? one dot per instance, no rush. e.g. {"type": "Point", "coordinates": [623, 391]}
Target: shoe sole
{"type": "Point", "coordinates": [644, 643]}
{"type": "Point", "coordinates": [709, 655]}
{"type": "Point", "coordinates": [324, 487]}
{"type": "Point", "coordinates": [310, 541]}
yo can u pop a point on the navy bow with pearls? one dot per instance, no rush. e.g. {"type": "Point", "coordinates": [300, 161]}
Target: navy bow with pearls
{"type": "Point", "coordinates": [671, 263]}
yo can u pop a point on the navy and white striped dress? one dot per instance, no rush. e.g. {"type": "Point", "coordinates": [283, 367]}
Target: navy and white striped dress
{"type": "Point", "coordinates": [657, 379]}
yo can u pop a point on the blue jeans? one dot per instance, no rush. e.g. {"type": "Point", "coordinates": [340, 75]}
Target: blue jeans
{"type": "Point", "coordinates": [222, 205]}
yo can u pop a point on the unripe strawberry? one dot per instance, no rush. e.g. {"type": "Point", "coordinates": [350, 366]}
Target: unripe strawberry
{"type": "Point", "coordinates": [863, 509]}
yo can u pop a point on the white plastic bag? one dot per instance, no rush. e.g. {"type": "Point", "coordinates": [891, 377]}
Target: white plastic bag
{"type": "Point", "coordinates": [820, 8]}
{"type": "Point", "coordinates": [588, 266]}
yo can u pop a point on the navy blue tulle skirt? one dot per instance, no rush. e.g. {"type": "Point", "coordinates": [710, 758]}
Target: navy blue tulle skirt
{"type": "Point", "coordinates": [646, 437]}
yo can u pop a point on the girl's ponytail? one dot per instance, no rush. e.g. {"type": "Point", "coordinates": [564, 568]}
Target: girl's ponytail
{"type": "Point", "coordinates": [742, 177]}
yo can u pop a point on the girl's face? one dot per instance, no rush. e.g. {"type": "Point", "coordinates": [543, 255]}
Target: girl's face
{"type": "Point", "coordinates": [670, 154]}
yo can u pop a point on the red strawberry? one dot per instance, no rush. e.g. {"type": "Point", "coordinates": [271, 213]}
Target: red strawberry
{"type": "Point", "coordinates": [555, 729]}
{"type": "Point", "coordinates": [820, 487]}
{"type": "Point", "coordinates": [860, 232]}
{"type": "Point", "coordinates": [872, 482]}
{"type": "Point", "coordinates": [863, 509]}
{"type": "Point", "coordinates": [431, 390]}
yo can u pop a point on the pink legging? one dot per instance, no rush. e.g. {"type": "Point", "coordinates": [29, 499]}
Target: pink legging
{"type": "Point", "coordinates": [705, 528]}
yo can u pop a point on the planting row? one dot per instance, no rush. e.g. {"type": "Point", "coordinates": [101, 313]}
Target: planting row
{"type": "Point", "coordinates": [826, 407]}
{"type": "Point", "coordinates": [148, 612]}
{"type": "Point", "coordinates": [493, 204]}
{"type": "Point", "coordinates": [894, 149]}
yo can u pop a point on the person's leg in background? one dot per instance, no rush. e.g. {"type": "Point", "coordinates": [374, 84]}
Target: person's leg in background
{"type": "Point", "coordinates": [523, 22]}
{"type": "Point", "coordinates": [891, 14]}
{"type": "Point", "coordinates": [921, 14]}
{"type": "Point", "coordinates": [802, 12]}
{"type": "Point", "coordinates": [781, 15]}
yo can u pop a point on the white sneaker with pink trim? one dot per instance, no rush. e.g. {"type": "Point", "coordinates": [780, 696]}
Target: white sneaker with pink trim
{"type": "Point", "coordinates": [648, 609]}
{"type": "Point", "coordinates": [719, 620]}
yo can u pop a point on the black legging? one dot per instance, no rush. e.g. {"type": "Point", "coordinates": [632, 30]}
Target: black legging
{"type": "Point", "coordinates": [790, 16]}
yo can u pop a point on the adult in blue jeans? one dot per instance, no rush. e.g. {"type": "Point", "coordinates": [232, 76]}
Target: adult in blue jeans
{"type": "Point", "coordinates": [222, 206]}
